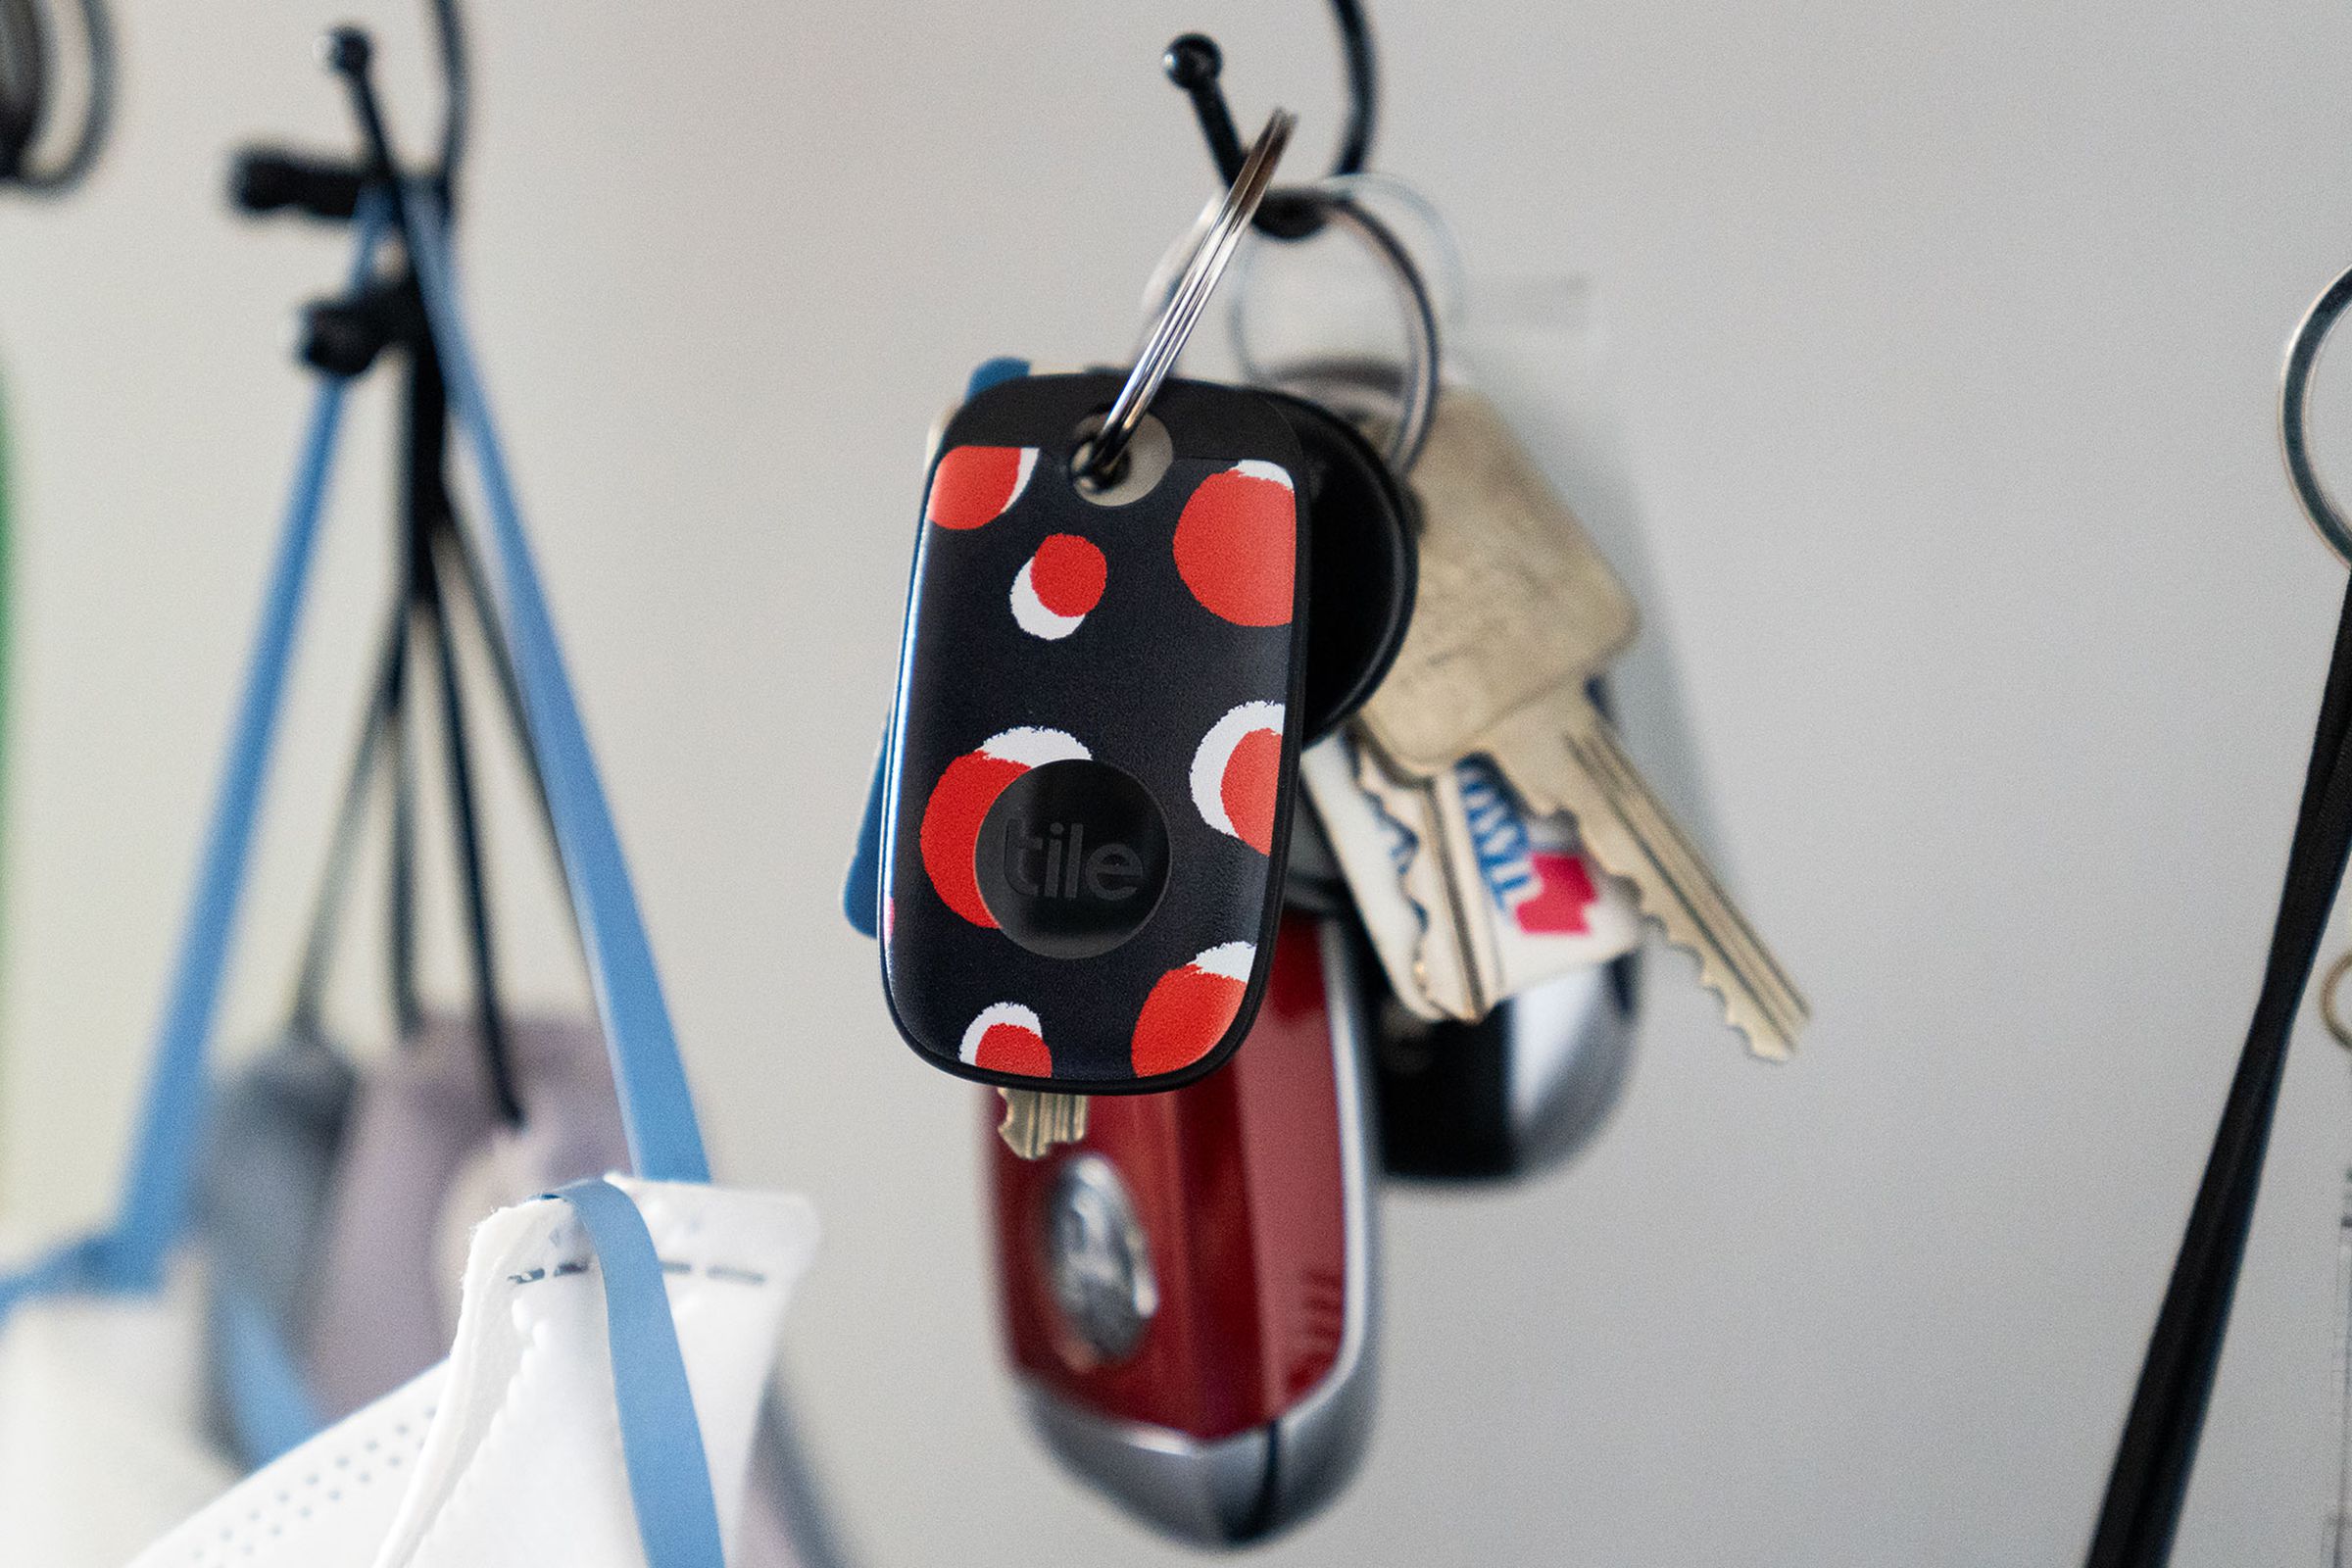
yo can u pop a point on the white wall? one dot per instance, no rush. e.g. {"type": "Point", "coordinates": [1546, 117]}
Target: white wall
{"type": "Point", "coordinates": [1946, 338]}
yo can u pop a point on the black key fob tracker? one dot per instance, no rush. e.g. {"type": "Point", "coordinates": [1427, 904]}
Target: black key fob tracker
{"type": "Point", "coordinates": [1094, 751]}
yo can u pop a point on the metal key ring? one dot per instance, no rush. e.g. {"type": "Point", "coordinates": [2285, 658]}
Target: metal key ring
{"type": "Point", "coordinates": [1417, 394]}
{"type": "Point", "coordinates": [2328, 1013]}
{"type": "Point", "coordinates": [1445, 277]}
{"type": "Point", "coordinates": [97, 108]}
{"type": "Point", "coordinates": [1100, 455]}
{"type": "Point", "coordinates": [2294, 418]}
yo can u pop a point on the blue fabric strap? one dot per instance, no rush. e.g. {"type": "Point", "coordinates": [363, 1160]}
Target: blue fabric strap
{"type": "Point", "coordinates": [270, 1407]}
{"type": "Point", "coordinates": [660, 1438]}
{"type": "Point", "coordinates": [69, 1266]}
{"type": "Point", "coordinates": [154, 1211]}
{"type": "Point", "coordinates": [666, 1141]}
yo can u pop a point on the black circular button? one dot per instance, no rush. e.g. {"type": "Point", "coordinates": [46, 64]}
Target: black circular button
{"type": "Point", "coordinates": [1072, 859]}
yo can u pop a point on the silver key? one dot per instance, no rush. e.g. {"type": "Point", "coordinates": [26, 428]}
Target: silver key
{"type": "Point", "coordinates": [1517, 610]}
{"type": "Point", "coordinates": [1037, 1122]}
{"type": "Point", "coordinates": [1439, 958]}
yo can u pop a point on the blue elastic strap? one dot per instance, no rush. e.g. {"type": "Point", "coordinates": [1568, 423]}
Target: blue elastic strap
{"type": "Point", "coordinates": [660, 1440]}
{"type": "Point", "coordinates": [862, 891]}
{"type": "Point", "coordinates": [129, 1257]}
{"type": "Point", "coordinates": [666, 1141]}
{"type": "Point", "coordinates": [270, 1408]}
{"type": "Point", "coordinates": [68, 1266]}
{"type": "Point", "coordinates": [994, 372]}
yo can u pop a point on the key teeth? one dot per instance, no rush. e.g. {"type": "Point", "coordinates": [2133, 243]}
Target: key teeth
{"type": "Point", "coordinates": [1039, 1121]}
{"type": "Point", "coordinates": [1770, 1030]}
{"type": "Point", "coordinates": [1766, 1041]}
{"type": "Point", "coordinates": [1372, 779]}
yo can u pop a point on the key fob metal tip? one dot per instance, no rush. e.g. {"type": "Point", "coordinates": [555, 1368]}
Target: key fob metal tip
{"type": "Point", "coordinates": [1094, 751]}
{"type": "Point", "coordinates": [1187, 1294]}
{"type": "Point", "coordinates": [1522, 1090]}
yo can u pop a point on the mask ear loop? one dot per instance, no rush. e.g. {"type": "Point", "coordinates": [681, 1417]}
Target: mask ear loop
{"type": "Point", "coordinates": [2294, 416]}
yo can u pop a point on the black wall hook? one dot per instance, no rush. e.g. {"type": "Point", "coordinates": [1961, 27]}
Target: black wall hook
{"type": "Point", "coordinates": [270, 179]}
{"type": "Point", "coordinates": [1193, 63]}
{"type": "Point", "coordinates": [344, 336]}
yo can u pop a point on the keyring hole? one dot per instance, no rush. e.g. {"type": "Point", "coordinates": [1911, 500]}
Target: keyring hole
{"type": "Point", "coordinates": [1136, 473]}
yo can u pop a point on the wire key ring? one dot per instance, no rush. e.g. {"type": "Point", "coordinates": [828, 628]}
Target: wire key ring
{"type": "Point", "coordinates": [2329, 1015]}
{"type": "Point", "coordinates": [1099, 457]}
{"type": "Point", "coordinates": [1419, 378]}
{"type": "Point", "coordinates": [2294, 416]}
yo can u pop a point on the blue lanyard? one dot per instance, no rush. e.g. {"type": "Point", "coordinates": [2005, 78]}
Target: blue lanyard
{"type": "Point", "coordinates": [665, 1142]}
{"type": "Point", "coordinates": [154, 1212]}
{"type": "Point", "coordinates": [662, 1440]}
{"type": "Point", "coordinates": [669, 1480]}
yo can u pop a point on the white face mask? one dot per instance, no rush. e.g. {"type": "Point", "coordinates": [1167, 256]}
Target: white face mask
{"type": "Point", "coordinates": [511, 1451]}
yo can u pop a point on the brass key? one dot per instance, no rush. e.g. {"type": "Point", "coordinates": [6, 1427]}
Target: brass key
{"type": "Point", "coordinates": [1517, 612]}
{"type": "Point", "coordinates": [1563, 756]}
{"type": "Point", "coordinates": [1036, 1123]}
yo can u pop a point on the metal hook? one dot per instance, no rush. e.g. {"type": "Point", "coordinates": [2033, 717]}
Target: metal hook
{"type": "Point", "coordinates": [25, 91]}
{"type": "Point", "coordinates": [2294, 416]}
{"type": "Point", "coordinates": [1193, 63]}
{"type": "Point", "coordinates": [267, 179]}
{"type": "Point", "coordinates": [1099, 457]}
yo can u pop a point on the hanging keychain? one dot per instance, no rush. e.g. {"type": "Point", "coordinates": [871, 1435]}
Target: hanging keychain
{"type": "Point", "coordinates": [1074, 859]}
{"type": "Point", "coordinates": [1221, 1414]}
{"type": "Point", "coordinates": [1505, 1022]}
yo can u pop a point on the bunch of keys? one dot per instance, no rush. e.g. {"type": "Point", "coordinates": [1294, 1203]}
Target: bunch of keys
{"type": "Point", "coordinates": [1448, 800]}
{"type": "Point", "coordinates": [1072, 852]}
{"type": "Point", "coordinates": [1080, 840]}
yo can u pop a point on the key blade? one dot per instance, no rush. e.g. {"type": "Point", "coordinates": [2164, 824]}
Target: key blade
{"type": "Point", "coordinates": [1037, 1122]}
{"type": "Point", "coordinates": [1441, 970]}
{"type": "Point", "coordinates": [1470, 915]}
{"type": "Point", "coordinates": [1566, 757]}
{"type": "Point", "coordinates": [1514, 599]}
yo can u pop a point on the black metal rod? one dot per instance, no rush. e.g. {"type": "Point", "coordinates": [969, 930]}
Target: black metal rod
{"type": "Point", "coordinates": [306, 1012]}
{"type": "Point", "coordinates": [2140, 1513]}
{"type": "Point", "coordinates": [1195, 65]}
{"type": "Point", "coordinates": [425, 485]}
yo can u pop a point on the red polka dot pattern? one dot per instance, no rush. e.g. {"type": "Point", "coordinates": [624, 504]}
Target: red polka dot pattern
{"type": "Point", "coordinates": [1253, 779]}
{"type": "Point", "coordinates": [1236, 545]}
{"type": "Point", "coordinates": [975, 485]}
{"type": "Point", "coordinates": [951, 828]}
{"type": "Point", "coordinates": [1069, 574]}
{"type": "Point", "coordinates": [1184, 1018]}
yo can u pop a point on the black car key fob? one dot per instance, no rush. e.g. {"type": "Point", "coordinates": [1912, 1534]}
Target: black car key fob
{"type": "Point", "coordinates": [1520, 1091]}
{"type": "Point", "coordinates": [1094, 749]}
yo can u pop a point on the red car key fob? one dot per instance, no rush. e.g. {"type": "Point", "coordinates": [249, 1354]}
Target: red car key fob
{"type": "Point", "coordinates": [1187, 1290]}
{"type": "Point", "coordinates": [1094, 750]}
